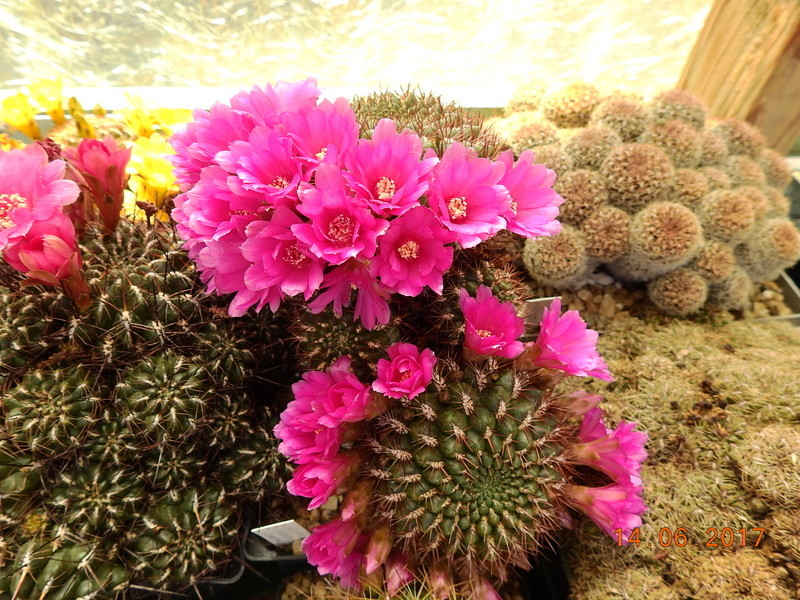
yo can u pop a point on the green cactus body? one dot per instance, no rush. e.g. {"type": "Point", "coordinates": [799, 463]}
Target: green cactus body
{"type": "Point", "coordinates": [469, 471]}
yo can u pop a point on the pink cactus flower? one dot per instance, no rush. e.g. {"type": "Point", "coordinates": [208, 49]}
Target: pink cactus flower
{"type": "Point", "coordinates": [266, 105]}
{"type": "Point", "coordinates": [407, 372]}
{"type": "Point", "coordinates": [387, 171]}
{"type": "Point", "coordinates": [413, 253]}
{"type": "Point", "coordinates": [303, 439]}
{"type": "Point", "coordinates": [336, 395]}
{"type": "Point", "coordinates": [205, 212]}
{"type": "Point", "coordinates": [618, 453]}
{"type": "Point", "coordinates": [565, 344]}
{"type": "Point", "coordinates": [324, 133]}
{"type": "Point", "coordinates": [336, 548]}
{"type": "Point", "coordinates": [265, 163]}
{"type": "Point", "coordinates": [492, 328]}
{"type": "Point", "coordinates": [48, 252]}
{"type": "Point", "coordinates": [371, 306]}
{"type": "Point", "coordinates": [398, 573]}
{"type": "Point", "coordinates": [320, 479]}
{"type": "Point", "coordinates": [197, 145]}
{"type": "Point", "coordinates": [340, 226]}
{"type": "Point", "coordinates": [467, 197]}
{"type": "Point", "coordinates": [578, 403]}
{"type": "Point", "coordinates": [615, 506]}
{"type": "Point", "coordinates": [441, 581]}
{"type": "Point", "coordinates": [356, 501]}
{"type": "Point", "coordinates": [278, 258]}
{"type": "Point", "coordinates": [31, 189]}
{"type": "Point", "coordinates": [102, 164]}
{"type": "Point", "coordinates": [380, 544]}
{"type": "Point", "coordinates": [534, 203]}
{"type": "Point", "coordinates": [483, 590]}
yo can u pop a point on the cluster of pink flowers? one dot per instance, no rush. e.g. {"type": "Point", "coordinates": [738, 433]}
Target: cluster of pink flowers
{"type": "Point", "coordinates": [315, 429]}
{"type": "Point", "coordinates": [37, 236]}
{"type": "Point", "coordinates": [281, 198]}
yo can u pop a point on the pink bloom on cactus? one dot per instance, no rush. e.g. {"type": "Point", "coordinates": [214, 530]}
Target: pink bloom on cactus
{"type": "Point", "coordinates": [304, 445]}
{"type": "Point", "coordinates": [534, 203]}
{"type": "Point", "coordinates": [492, 327]}
{"type": "Point", "coordinates": [356, 501]}
{"type": "Point", "coordinates": [371, 306]}
{"type": "Point", "coordinates": [336, 395]}
{"type": "Point", "coordinates": [483, 590]}
{"type": "Point", "coordinates": [197, 145]}
{"type": "Point", "coordinates": [398, 574]}
{"type": "Point", "coordinates": [579, 403]}
{"type": "Point", "coordinates": [323, 133]}
{"type": "Point", "coordinates": [265, 163]}
{"type": "Point", "coordinates": [618, 453]}
{"type": "Point", "coordinates": [336, 548]}
{"type": "Point", "coordinates": [380, 544]}
{"type": "Point", "coordinates": [407, 372]}
{"type": "Point", "coordinates": [320, 479]}
{"type": "Point", "coordinates": [206, 211]}
{"type": "Point", "coordinates": [31, 189]}
{"type": "Point", "coordinates": [340, 226]}
{"type": "Point", "coordinates": [387, 171]}
{"type": "Point", "coordinates": [48, 252]}
{"type": "Point", "coordinates": [412, 253]}
{"type": "Point", "coordinates": [615, 506]}
{"type": "Point", "coordinates": [565, 344]}
{"type": "Point", "coordinates": [467, 196]}
{"type": "Point", "coordinates": [278, 258]}
{"type": "Point", "coordinates": [441, 581]}
{"type": "Point", "coordinates": [102, 164]}
{"type": "Point", "coordinates": [267, 104]}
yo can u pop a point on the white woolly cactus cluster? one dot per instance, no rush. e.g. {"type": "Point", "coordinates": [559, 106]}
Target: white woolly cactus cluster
{"type": "Point", "coordinates": [656, 192]}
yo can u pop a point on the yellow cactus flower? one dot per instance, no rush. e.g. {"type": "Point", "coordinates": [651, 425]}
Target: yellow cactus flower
{"type": "Point", "coordinates": [48, 94]}
{"type": "Point", "coordinates": [9, 143]}
{"type": "Point", "coordinates": [152, 180]}
{"type": "Point", "coordinates": [144, 122]}
{"type": "Point", "coordinates": [20, 114]}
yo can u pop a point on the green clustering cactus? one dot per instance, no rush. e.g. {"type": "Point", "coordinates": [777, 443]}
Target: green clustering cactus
{"type": "Point", "coordinates": [135, 438]}
{"type": "Point", "coordinates": [683, 182]}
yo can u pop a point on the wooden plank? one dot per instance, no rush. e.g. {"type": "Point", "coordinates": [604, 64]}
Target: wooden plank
{"type": "Point", "coordinates": [745, 64]}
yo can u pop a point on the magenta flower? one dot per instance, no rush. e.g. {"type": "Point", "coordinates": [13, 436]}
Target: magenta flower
{"type": "Point", "coordinates": [618, 453]}
{"type": "Point", "coordinates": [336, 395]}
{"type": "Point", "coordinates": [278, 258]}
{"type": "Point", "coordinates": [387, 171]}
{"type": "Point", "coordinates": [336, 548]}
{"type": "Point", "coordinates": [412, 253]}
{"type": "Point", "coordinates": [380, 544]}
{"type": "Point", "coordinates": [407, 372]}
{"type": "Point", "coordinates": [323, 133]}
{"type": "Point", "coordinates": [534, 203]}
{"type": "Point", "coordinates": [102, 164]}
{"type": "Point", "coordinates": [320, 479]}
{"type": "Point", "coordinates": [340, 226]}
{"type": "Point", "coordinates": [303, 439]}
{"type": "Point", "coordinates": [371, 302]}
{"type": "Point", "coordinates": [206, 211]}
{"type": "Point", "coordinates": [492, 328]}
{"type": "Point", "coordinates": [265, 163]}
{"type": "Point", "coordinates": [578, 403]}
{"type": "Point", "coordinates": [211, 132]}
{"type": "Point", "coordinates": [467, 197]}
{"type": "Point", "coordinates": [266, 105]}
{"type": "Point", "coordinates": [398, 574]}
{"type": "Point", "coordinates": [565, 344]}
{"type": "Point", "coordinates": [615, 506]}
{"type": "Point", "coordinates": [31, 189]}
{"type": "Point", "coordinates": [48, 252]}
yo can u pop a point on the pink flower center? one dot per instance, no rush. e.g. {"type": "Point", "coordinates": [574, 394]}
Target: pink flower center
{"type": "Point", "coordinates": [294, 257]}
{"type": "Point", "coordinates": [483, 333]}
{"type": "Point", "coordinates": [405, 375]}
{"type": "Point", "coordinates": [409, 250]}
{"type": "Point", "coordinates": [341, 229]}
{"type": "Point", "coordinates": [385, 188]}
{"type": "Point", "coordinates": [8, 204]}
{"type": "Point", "coordinates": [457, 207]}
{"type": "Point", "coordinates": [280, 182]}
{"type": "Point", "coordinates": [322, 153]}
{"type": "Point", "coordinates": [513, 208]}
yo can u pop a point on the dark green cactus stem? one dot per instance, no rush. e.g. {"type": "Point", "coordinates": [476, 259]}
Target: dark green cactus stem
{"type": "Point", "coordinates": [467, 472]}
